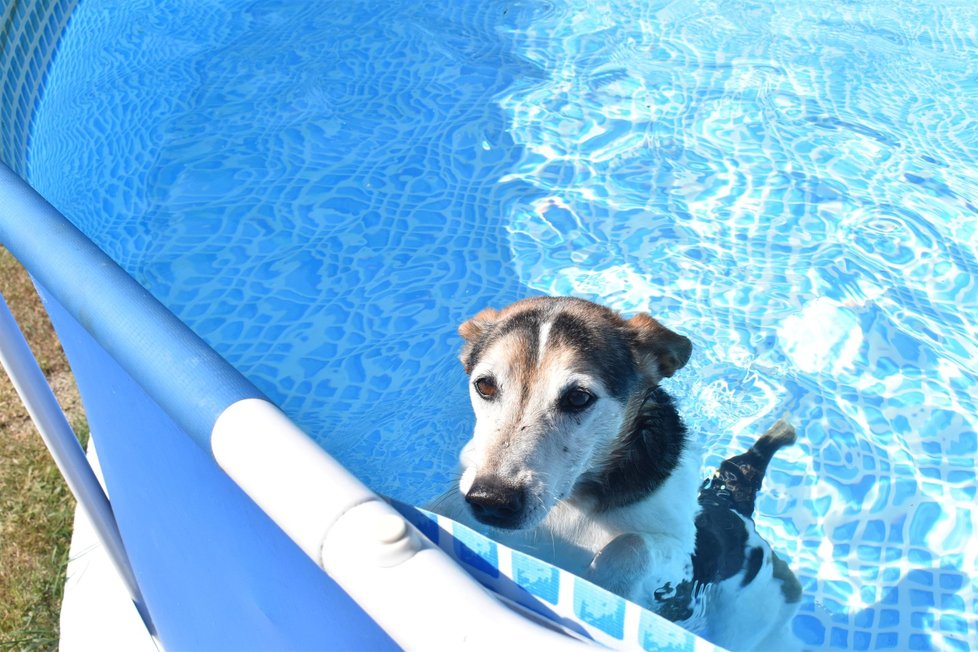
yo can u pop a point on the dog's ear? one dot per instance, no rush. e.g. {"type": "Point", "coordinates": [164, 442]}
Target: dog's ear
{"type": "Point", "coordinates": [472, 331]}
{"type": "Point", "coordinates": [658, 349]}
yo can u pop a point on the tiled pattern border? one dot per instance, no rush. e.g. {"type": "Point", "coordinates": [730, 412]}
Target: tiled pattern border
{"type": "Point", "coordinates": [29, 35]}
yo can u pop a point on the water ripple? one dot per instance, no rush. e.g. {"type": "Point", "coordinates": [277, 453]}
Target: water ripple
{"type": "Point", "coordinates": [794, 187]}
{"type": "Point", "coordinates": [324, 191]}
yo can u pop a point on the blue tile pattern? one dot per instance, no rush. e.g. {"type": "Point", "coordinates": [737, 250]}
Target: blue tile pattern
{"type": "Point", "coordinates": [476, 552]}
{"type": "Point", "coordinates": [571, 602]}
{"type": "Point", "coordinates": [599, 608]}
{"type": "Point", "coordinates": [654, 636]}
{"type": "Point", "coordinates": [324, 191]}
{"type": "Point", "coordinates": [29, 34]}
{"type": "Point", "coordinates": [537, 577]}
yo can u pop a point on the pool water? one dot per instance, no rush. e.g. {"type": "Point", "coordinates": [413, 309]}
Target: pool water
{"type": "Point", "coordinates": [324, 191]}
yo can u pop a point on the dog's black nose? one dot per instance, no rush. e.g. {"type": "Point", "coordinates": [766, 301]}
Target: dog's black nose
{"type": "Point", "coordinates": [495, 503]}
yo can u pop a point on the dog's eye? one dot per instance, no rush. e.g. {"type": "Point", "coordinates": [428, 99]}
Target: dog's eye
{"type": "Point", "coordinates": [486, 387]}
{"type": "Point", "coordinates": [576, 399]}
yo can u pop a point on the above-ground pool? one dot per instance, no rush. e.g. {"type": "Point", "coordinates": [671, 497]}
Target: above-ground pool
{"type": "Point", "coordinates": [324, 191]}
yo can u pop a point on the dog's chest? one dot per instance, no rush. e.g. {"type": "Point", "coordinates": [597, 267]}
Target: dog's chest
{"type": "Point", "coordinates": [569, 538]}
{"type": "Point", "coordinates": [572, 534]}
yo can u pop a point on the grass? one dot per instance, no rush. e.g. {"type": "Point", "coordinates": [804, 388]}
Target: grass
{"type": "Point", "coordinates": [36, 508]}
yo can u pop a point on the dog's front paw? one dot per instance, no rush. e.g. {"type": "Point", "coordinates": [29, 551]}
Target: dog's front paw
{"type": "Point", "coordinates": [621, 566]}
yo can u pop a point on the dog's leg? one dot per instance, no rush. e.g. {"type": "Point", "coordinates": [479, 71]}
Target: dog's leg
{"type": "Point", "coordinates": [652, 571]}
{"type": "Point", "coordinates": [621, 565]}
{"type": "Point", "coordinates": [752, 609]}
{"type": "Point", "coordinates": [790, 586]}
{"type": "Point", "coordinates": [781, 636]}
{"type": "Point", "coordinates": [738, 480]}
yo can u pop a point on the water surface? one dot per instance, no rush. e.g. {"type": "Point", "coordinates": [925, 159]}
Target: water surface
{"type": "Point", "coordinates": [323, 191]}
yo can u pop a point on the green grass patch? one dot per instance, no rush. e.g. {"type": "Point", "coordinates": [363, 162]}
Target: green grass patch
{"type": "Point", "coordinates": [36, 508]}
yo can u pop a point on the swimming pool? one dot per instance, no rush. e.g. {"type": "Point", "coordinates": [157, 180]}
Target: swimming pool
{"type": "Point", "coordinates": [324, 192]}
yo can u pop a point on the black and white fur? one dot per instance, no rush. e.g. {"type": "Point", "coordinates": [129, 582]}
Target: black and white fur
{"type": "Point", "coordinates": [579, 458]}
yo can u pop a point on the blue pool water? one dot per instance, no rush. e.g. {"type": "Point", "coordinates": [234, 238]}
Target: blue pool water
{"type": "Point", "coordinates": [324, 191]}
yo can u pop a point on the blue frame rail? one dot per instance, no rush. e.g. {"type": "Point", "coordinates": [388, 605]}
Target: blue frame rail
{"type": "Point", "coordinates": [188, 379]}
{"type": "Point", "coordinates": [220, 568]}
{"type": "Point", "coordinates": [145, 376]}
{"type": "Point", "coordinates": [29, 382]}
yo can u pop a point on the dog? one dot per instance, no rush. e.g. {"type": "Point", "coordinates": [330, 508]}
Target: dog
{"type": "Point", "coordinates": [580, 458]}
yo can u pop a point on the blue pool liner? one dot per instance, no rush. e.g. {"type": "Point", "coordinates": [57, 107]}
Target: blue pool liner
{"type": "Point", "coordinates": [578, 606]}
{"type": "Point", "coordinates": [215, 571]}
{"type": "Point", "coordinates": [190, 381]}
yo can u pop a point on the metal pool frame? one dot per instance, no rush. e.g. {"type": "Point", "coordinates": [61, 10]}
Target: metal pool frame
{"type": "Point", "coordinates": [150, 385]}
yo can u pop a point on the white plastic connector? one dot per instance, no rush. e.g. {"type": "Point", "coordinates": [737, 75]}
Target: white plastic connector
{"type": "Point", "coordinates": [292, 479]}
{"type": "Point", "coordinates": [376, 534]}
{"type": "Point", "coordinates": [402, 579]}
{"type": "Point", "coordinates": [409, 586]}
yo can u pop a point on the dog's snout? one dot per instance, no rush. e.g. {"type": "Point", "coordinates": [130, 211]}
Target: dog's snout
{"type": "Point", "coordinates": [495, 503]}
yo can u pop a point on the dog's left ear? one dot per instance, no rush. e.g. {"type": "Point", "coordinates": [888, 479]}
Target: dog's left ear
{"type": "Point", "coordinates": [658, 349]}
{"type": "Point", "coordinates": [472, 331]}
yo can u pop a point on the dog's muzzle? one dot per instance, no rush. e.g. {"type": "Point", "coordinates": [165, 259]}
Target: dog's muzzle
{"type": "Point", "coordinates": [497, 504]}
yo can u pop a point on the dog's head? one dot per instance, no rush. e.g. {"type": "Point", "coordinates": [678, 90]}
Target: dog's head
{"type": "Point", "coordinates": [552, 381]}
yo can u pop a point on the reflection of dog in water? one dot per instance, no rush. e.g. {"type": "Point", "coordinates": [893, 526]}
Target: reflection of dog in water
{"type": "Point", "coordinates": [580, 459]}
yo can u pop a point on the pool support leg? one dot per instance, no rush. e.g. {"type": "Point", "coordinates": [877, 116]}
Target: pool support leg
{"type": "Point", "coordinates": [28, 380]}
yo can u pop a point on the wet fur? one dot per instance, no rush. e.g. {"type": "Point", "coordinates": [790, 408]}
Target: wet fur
{"type": "Point", "coordinates": [613, 494]}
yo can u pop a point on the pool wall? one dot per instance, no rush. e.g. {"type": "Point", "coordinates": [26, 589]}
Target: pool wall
{"type": "Point", "coordinates": [29, 33]}
{"type": "Point", "coordinates": [179, 515]}
{"type": "Point", "coordinates": [210, 563]}
{"type": "Point", "coordinates": [231, 556]}
{"type": "Point", "coordinates": [186, 609]}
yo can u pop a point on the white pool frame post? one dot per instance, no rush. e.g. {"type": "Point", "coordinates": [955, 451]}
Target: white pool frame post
{"type": "Point", "coordinates": [410, 587]}
{"type": "Point", "coordinates": [399, 577]}
{"type": "Point", "coordinates": [28, 380]}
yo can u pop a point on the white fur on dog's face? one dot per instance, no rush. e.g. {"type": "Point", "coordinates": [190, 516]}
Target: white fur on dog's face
{"type": "Point", "coordinates": [523, 437]}
{"type": "Point", "coordinates": [551, 380]}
